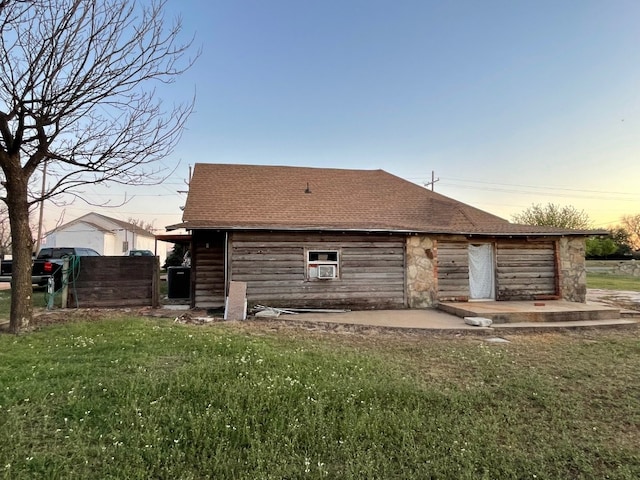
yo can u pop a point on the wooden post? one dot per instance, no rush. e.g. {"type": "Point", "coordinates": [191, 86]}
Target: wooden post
{"type": "Point", "coordinates": [65, 282]}
{"type": "Point", "coordinates": [155, 284]}
{"type": "Point", "coordinates": [51, 291]}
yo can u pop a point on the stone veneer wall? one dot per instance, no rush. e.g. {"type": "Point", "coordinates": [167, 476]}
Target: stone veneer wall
{"type": "Point", "coordinates": [422, 288]}
{"type": "Point", "coordinates": [422, 273]}
{"type": "Point", "coordinates": [631, 267]}
{"type": "Point", "coordinates": [573, 273]}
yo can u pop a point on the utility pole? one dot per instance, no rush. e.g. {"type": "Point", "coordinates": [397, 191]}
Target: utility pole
{"type": "Point", "coordinates": [44, 184]}
{"type": "Point", "coordinates": [187, 182]}
{"type": "Point", "coordinates": [433, 180]}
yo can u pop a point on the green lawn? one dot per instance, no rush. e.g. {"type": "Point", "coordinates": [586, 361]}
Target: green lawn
{"type": "Point", "coordinates": [608, 281]}
{"type": "Point", "coordinates": [134, 398]}
{"type": "Point", "coordinates": [40, 297]}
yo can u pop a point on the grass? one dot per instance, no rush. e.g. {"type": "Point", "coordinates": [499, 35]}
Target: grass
{"type": "Point", "coordinates": [40, 297]}
{"type": "Point", "coordinates": [138, 398]}
{"type": "Point", "coordinates": [608, 281]}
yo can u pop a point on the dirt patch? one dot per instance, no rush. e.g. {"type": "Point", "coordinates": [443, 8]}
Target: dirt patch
{"type": "Point", "coordinates": [196, 318]}
{"type": "Point", "coordinates": [43, 318]}
{"type": "Point", "coordinates": [615, 298]}
{"type": "Point", "coordinates": [290, 327]}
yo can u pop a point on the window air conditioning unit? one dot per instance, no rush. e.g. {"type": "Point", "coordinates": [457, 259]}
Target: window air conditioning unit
{"type": "Point", "coordinates": [326, 271]}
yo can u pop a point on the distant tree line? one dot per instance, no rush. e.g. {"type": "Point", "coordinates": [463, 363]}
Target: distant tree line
{"type": "Point", "coordinates": [623, 241]}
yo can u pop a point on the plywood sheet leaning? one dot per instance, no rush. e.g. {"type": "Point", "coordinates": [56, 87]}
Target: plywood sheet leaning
{"type": "Point", "coordinates": [236, 304]}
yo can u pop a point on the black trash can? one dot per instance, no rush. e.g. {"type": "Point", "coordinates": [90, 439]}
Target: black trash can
{"type": "Point", "coordinates": [178, 282]}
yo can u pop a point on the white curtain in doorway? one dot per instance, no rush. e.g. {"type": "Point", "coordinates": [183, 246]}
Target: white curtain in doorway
{"type": "Point", "coordinates": [481, 283]}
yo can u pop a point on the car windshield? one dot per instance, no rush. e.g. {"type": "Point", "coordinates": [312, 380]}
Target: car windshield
{"type": "Point", "coordinates": [61, 252]}
{"type": "Point", "coordinates": [47, 253]}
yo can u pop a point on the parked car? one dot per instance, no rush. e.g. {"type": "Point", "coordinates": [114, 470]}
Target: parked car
{"type": "Point", "coordinates": [141, 253]}
{"type": "Point", "coordinates": [47, 263]}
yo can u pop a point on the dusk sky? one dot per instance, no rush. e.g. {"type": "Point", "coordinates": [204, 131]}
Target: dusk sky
{"type": "Point", "coordinates": [509, 102]}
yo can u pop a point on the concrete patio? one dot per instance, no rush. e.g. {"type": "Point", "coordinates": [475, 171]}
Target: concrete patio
{"type": "Point", "coordinates": [531, 311]}
{"type": "Point", "coordinates": [437, 320]}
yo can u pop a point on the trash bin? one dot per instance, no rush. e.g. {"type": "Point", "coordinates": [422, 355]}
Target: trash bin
{"type": "Point", "coordinates": [179, 282]}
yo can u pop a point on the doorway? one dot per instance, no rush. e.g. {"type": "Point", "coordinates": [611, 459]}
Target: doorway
{"type": "Point", "coordinates": [481, 272]}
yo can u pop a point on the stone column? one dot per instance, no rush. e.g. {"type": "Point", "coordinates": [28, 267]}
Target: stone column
{"type": "Point", "coordinates": [573, 273]}
{"type": "Point", "coordinates": [421, 272]}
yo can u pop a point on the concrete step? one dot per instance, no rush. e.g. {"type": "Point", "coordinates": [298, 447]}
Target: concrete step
{"type": "Point", "coordinates": [530, 311]}
{"type": "Point", "coordinates": [551, 326]}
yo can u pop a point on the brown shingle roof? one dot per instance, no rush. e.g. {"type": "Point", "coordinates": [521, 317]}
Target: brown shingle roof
{"type": "Point", "coordinates": [223, 196]}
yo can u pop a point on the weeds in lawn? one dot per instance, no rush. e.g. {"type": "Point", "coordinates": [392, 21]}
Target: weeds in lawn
{"type": "Point", "coordinates": [133, 398]}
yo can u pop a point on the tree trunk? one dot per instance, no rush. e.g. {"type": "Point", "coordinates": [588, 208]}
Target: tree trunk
{"type": "Point", "coordinates": [22, 252]}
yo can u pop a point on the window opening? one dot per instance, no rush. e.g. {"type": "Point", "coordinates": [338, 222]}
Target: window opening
{"type": "Point", "coordinates": [322, 264]}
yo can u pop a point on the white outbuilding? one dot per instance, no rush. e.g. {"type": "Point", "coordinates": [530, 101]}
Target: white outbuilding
{"type": "Point", "coordinates": [106, 235]}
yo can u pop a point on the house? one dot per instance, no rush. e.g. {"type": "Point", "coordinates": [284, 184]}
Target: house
{"type": "Point", "coordinates": [320, 237]}
{"type": "Point", "coordinates": [106, 235]}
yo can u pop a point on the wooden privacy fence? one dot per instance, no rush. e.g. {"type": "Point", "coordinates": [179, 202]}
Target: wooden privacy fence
{"type": "Point", "coordinates": [114, 282]}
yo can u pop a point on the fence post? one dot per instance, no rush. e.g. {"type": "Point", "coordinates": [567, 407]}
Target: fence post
{"type": "Point", "coordinates": [65, 282]}
{"type": "Point", "coordinates": [155, 284]}
{"type": "Point", "coordinates": [51, 291]}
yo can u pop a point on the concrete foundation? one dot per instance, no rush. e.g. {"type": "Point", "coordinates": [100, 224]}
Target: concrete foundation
{"type": "Point", "coordinates": [517, 312]}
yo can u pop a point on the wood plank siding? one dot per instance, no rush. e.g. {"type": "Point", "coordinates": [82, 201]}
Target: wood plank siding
{"type": "Point", "coordinates": [370, 270]}
{"type": "Point", "coordinates": [525, 270]}
{"type": "Point", "coordinates": [453, 271]}
{"type": "Point", "coordinates": [114, 282]}
{"type": "Point", "coordinates": [207, 269]}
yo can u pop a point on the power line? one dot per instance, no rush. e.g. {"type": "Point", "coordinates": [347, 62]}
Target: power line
{"type": "Point", "coordinates": [110, 195]}
{"type": "Point", "coordinates": [451, 182]}
{"type": "Point", "coordinates": [544, 187]}
{"type": "Point", "coordinates": [603, 196]}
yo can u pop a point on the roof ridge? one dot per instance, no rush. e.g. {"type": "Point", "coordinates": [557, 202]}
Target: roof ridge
{"type": "Point", "coordinates": [84, 219]}
{"type": "Point", "coordinates": [298, 167]}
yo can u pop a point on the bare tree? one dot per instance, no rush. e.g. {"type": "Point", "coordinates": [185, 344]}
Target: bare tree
{"type": "Point", "coordinates": [6, 3]}
{"type": "Point", "coordinates": [552, 215]}
{"type": "Point", "coordinates": [77, 93]}
{"type": "Point", "coordinates": [143, 224]}
{"type": "Point", "coordinates": [5, 231]}
{"type": "Point", "coordinates": [631, 224]}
